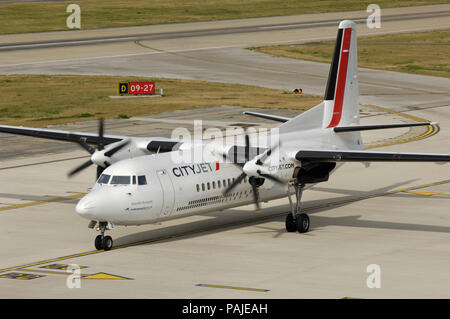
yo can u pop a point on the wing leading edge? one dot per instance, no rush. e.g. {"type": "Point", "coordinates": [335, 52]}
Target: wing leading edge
{"type": "Point", "coordinates": [89, 138]}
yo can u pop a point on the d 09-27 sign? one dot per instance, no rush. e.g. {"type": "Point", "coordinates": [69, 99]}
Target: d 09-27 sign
{"type": "Point", "coordinates": [136, 88]}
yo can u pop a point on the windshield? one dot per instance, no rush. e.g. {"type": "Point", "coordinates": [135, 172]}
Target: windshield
{"type": "Point", "coordinates": [121, 180]}
{"type": "Point", "coordinates": [104, 179]}
{"type": "Point", "coordinates": [142, 180]}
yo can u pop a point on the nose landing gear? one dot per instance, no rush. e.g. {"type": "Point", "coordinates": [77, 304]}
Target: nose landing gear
{"type": "Point", "coordinates": [102, 241]}
{"type": "Point", "coordinates": [297, 221]}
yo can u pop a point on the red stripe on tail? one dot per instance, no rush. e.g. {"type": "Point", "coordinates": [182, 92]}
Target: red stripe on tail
{"type": "Point", "coordinates": [342, 76]}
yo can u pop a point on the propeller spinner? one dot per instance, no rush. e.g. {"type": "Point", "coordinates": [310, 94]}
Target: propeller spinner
{"type": "Point", "coordinates": [101, 156]}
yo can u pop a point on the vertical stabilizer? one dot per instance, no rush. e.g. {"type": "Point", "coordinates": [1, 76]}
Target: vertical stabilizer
{"type": "Point", "coordinates": [341, 96]}
{"type": "Point", "coordinates": [340, 105]}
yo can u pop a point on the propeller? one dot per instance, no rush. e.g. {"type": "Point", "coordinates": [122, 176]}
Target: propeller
{"type": "Point", "coordinates": [253, 170]}
{"type": "Point", "coordinates": [99, 156]}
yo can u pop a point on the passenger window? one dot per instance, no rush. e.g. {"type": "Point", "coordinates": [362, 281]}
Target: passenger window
{"type": "Point", "coordinates": [203, 187]}
{"type": "Point", "coordinates": [142, 180]}
{"type": "Point", "coordinates": [214, 185]}
{"type": "Point", "coordinates": [120, 180]}
{"type": "Point", "coordinates": [218, 184]}
{"type": "Point", "coordinates": [224, 183]}
{"type": "Point", "coordinates": [198, 188]}
{"type": "Point", "coordinates": [104, 179]}
{"type": "Point", "coordinates": [209, 186]}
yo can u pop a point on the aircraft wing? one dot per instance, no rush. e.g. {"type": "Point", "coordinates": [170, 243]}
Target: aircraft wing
{"type": "Point", "coordinates": [90, 138]}
{"type": "Point", "coordinates": [365, 156]}
{"type": "Point", "coordinates": [151, 144]}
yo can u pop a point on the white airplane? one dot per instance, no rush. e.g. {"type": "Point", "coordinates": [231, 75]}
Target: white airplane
{"type": "Point", "coordinates": [135, 188]}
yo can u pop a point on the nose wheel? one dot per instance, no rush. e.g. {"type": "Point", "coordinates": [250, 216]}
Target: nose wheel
{"type": "Point", "coordinates": [102, 241]}
{"type": "Point", "coordinates": [297, 221]}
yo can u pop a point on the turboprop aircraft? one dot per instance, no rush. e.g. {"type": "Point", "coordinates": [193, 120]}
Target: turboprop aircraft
{"type": "Point", "coordinates": [140, 182]}
{"type": "Point", "coordinates": [311, 146]}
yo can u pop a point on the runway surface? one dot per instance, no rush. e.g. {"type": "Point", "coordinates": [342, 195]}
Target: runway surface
{"type": "Point", "coordinates": [392, 215]}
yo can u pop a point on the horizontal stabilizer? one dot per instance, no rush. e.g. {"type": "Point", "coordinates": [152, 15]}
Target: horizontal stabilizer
{"type": "Point", "coordinates": [268, 116]}
{"type": "Point", "coordinates": [365, 156]}
{"type": "Point", "coordinates": [341, 129]}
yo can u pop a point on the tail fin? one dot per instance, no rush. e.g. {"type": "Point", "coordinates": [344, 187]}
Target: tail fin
{"type": "Point", "coordinates": [340, 105]}
{"type": "Point", "coordinates": [341, 96]}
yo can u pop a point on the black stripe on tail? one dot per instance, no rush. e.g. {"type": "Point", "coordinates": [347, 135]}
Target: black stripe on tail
{"type": "Point", "coordinates": [331, 85]}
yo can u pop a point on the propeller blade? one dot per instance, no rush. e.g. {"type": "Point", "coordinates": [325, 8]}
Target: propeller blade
{"type": "Point", "coordinates": [227, 159]}
{"type": "Point", "coordinates": [256, 197]}
{"type": "Point", "coordinates": [80, 168]}
{"type": "Point", "coordinates": [263, 158]}
{"type": "Point", "coordinates": [272, 178]}
{"type": "Point", "coordinates": [99, 171]}
{"type": "Point", "coordinates": [224, 156]}
{"type": "Point", "coordinates": [117, 148]}
{"type": "Point", "coordinates": [101, 140]}
{"type": "Point", "coordinates": [247, 147]}
{"type": "Point", "coordinates": [83, 144]}
{"type": "Point", "coordinates": [234, 184]}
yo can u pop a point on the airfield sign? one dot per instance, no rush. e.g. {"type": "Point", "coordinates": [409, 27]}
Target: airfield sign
{"type": "Point", "coordinates": [137, 88]}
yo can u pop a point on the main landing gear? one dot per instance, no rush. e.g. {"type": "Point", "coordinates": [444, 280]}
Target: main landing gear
{"type": "Point", "coordinates": [297, 221]}
{"type": "Point", "coordinates": [102, 241]}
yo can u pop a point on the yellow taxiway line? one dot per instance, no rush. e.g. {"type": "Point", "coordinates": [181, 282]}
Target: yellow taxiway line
{"type": "Point", "coordinates": [432, 130]}
{"type": "Point", "coordinates": [232, 224]}
{"type": "Point", "coordinates": [40, 202]}
{"type": "Point", "coordinates": [232, 287]}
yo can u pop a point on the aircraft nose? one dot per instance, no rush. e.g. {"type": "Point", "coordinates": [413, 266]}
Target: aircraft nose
{"type": "Point", "coordinates": [85, 207]}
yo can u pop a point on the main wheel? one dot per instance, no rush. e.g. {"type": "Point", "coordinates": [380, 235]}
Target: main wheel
{"type": "Point", "coordinates": [107, 243]}
{"type": "Point", "coordinates": [302, 223]}
{"type": "Point", "coordinates": [98, 242]}
{"type": "Point", "coordinates": [291, 226]}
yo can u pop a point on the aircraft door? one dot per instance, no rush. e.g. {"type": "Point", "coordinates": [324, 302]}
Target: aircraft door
{"type": "Point", "coordinates": [168, 193]}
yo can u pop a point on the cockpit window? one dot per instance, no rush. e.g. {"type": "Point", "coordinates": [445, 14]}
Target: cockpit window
{"type": "Point", "coordinates": [142, 180]}
{"type": "Point", "coordinates": [104, 179]}
{"type": "Point", "coordinates": [121, 180]}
